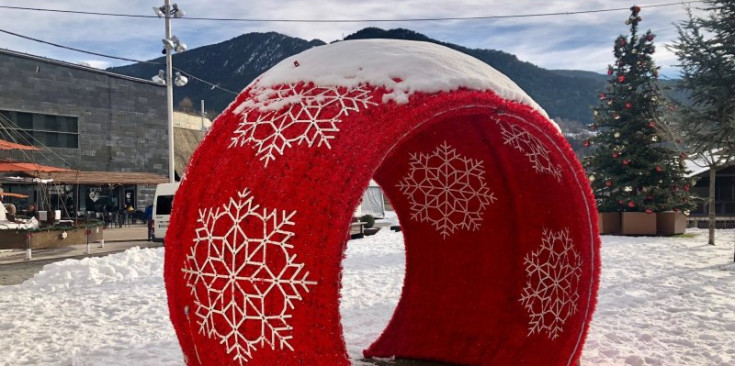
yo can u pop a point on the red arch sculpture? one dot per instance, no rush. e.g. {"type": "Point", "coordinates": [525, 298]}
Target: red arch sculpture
{"type": "Point", "coordinates": [500, 227]}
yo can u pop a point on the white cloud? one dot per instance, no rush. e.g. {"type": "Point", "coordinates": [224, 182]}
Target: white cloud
{"type": "Point", "coordinates": [581, 41]}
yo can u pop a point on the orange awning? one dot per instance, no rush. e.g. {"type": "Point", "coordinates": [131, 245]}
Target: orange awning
{"type": "Point", "coordinates": [18, 167]}
{"type": "Point", "coordinates": [7, 145]}
{"type": "Point", "coordinates": [100, 177]}
{"type": "Point", "coordinates": [10, 194]}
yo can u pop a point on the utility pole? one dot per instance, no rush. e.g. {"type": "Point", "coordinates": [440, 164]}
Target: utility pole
{"type": "Point", "coordinates": [203, 128]}
{"type": "Point", "coordinates": [170, 96]}
{"type": "Point", "coordinates": [171, 43]}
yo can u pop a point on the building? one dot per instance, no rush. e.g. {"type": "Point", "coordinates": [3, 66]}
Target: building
{"type": "Point", "coordinates": [108, 129]}
{"type": "Point", "coordinates": [724, 191]}
{"type": "Point", "coordinates": [189, 130]}
{"type": "Point", "coordinates": [724, 194]}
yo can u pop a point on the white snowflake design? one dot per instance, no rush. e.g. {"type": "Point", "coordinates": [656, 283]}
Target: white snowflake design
{"type": "Point", "coordinates": [552, 283]}
{"type": "Point", "coordinates": [243, 279]}
{"type": "Point", "coordinates": [447, 190]}
{"type": "Point", "coordinates": [534, 150]}
{"type": "Point", "coordinates": [293, 114]}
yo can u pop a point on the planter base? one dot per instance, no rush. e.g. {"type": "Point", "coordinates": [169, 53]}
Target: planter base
{"type": "Point", "coordinates": [671, 223]}
{"type": "Point", "coordinates": [17, 239]}
{"type": "Point", "coordinates": [609, 223]}
{"type": "Point", "coordinates": [637, 223]}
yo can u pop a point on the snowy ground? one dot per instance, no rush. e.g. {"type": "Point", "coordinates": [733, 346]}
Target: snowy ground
{"type": "Point", "coordinates": [663, 301]}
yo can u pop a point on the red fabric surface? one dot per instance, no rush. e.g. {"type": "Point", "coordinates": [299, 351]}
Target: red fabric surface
{"type": "Point", "coordinates": [276, 266]}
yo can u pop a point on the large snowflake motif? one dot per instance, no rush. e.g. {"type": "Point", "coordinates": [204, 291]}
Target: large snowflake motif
{"type": "Point", "coordinates": [534, 150]}
{"type": "Point", "coordinates": [552, 280]}
{"type": "Point", "coordinates": [293, 114]}
{"type": "Point", "coordinates": [447, 190]}
{"type": "Point", "coordinates": [243, 279]}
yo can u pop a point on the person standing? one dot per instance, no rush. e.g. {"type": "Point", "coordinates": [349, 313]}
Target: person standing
{"type": "Point", "coordinates": [148, 213]}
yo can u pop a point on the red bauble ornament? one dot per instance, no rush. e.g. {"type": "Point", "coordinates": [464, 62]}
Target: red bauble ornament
{"type": "Point", "coordinates": [650, 37]}
{"type": "Point", "coordinates": [615, 155]}
{"type": "Point", "coordinates": [648, 210]}
{"type": "Point", "coordinates": [622, 42]}
{"type": "Point", "coordinates": [280, 272]}
{"type": "Point", "coordinates": [587, 143]}
{"type": "Point", "coordinates": [626, 162]}
{"type": "Point", "coordinates": [628, 105]}
{"type": "Point", "coordinates": [659, 169]}
{"type": "Point", "coordinates": [608, 183]}
{"type": "Point", "coordinates": [686, 188]}
{"type": "Point", "coordinates": [676, 188]}
{"type": "Point", "coordinates": [652, 124]}
{"type": "Point", "coordinates": [620, 202]}
{"type": "Point", "coordinates": [621, 78]}
{"type": "Point", "coordinates": [631, 204]}
{"type": "Point", "coordinates": [602, 96]}
{"type": "Point", "coordinates": [609, 71]}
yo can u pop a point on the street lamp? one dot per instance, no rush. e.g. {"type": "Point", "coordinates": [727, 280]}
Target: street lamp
{"type": "Point", "coordinates": [171, 43]}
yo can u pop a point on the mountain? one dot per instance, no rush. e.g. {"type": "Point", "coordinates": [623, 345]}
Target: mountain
{"type": "Point", "coordinates": [566, 95]}
{"type": "Point", "coordinates": [231, 65]}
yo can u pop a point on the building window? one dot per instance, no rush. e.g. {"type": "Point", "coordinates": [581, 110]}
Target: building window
{"type": "Point", "coordinates": [40, 129]}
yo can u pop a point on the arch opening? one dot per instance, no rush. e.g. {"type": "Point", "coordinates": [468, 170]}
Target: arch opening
{"type": "Point", "coordinates": [455, 184]}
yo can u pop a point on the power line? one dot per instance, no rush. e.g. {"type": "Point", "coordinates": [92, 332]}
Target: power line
{"type": "Point", "coordinates": [72, 48]}
{"type": "Point", "coordinates": [114, 58]}
{"type": "Point", "coordinates": [286, 20]}
{"type": "Point", "coordinates": [205, 82]}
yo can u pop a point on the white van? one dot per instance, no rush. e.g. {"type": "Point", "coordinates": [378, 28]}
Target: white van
{"type": "Point", "coordinates": [162, 203]}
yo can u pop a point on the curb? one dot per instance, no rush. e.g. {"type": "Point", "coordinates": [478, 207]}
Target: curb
{"type": "Point", "coordinates": [53, 258]}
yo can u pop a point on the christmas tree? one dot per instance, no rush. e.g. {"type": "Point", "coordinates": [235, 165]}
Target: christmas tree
{"type": "Point", "coordinates": [631, 167]}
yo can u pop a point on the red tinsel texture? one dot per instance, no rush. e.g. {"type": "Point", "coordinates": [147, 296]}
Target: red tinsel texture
{"type": "Point", "coordinates": [260, 224]}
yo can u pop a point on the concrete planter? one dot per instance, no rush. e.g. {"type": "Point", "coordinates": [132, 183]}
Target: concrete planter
{"type": "Point", "coordinates": [637, 223]}
{"type": "Point", "coordinates": [609, 223]}
{"type": "Point", "coordinates": [671, 223]}
{"type": "Point", "coordinates": [16, 239]}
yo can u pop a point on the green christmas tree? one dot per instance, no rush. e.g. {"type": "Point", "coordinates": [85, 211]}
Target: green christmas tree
{"type": "Point", "coordinates": [631, 167]}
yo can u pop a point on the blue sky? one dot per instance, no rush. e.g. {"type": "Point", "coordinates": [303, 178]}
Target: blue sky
{"type": "Point", "coordinates": [582, 42]}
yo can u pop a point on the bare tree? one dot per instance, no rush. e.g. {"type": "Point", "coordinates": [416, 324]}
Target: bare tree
{"type": "Point", "coordinates": [706, 52]}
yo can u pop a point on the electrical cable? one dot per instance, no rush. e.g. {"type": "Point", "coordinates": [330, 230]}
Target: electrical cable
{"type": "Point", "coordinates": [286, 20]}
{"type": "Point", "coordinates": [115, 58]}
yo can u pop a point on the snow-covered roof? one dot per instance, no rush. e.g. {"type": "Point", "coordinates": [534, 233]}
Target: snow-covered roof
{"type": "Point", "coordinates": [697, 165]}
{"type": "Point", "coordinates": [402, 67]}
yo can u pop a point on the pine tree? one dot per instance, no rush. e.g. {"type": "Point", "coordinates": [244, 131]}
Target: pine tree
{"type": "Point", "coordinates": [706, 51]}
{"type": "Point", "coordinates": [631, 167]}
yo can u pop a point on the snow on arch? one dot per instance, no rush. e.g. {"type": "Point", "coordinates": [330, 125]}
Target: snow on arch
{"type": "Point", "coordinates": [404, 67]}
{"type": "Point", "coordinates": [487, 191]}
